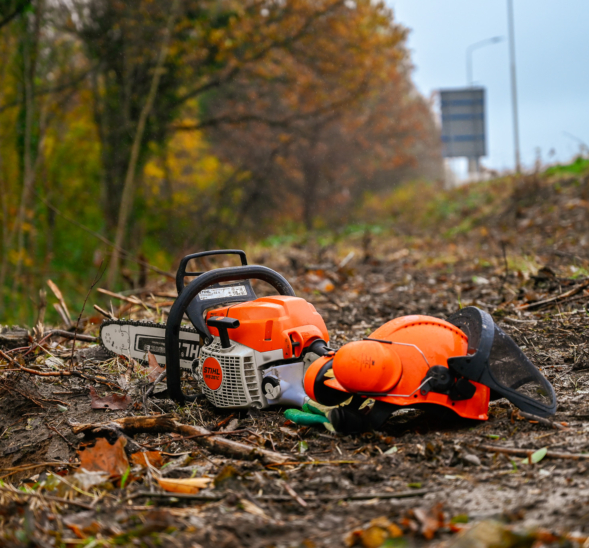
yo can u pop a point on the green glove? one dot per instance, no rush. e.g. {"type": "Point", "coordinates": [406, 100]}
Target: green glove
{"type": "Point", "coordinates": [305, 419]}
{"type": "Point", "coordinates": [309, 408]}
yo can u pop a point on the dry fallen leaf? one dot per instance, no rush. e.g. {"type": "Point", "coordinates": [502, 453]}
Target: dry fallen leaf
{"type": "Point", "coordinates": [155, 370]}
{"type": "Point", "coordinates": [187, 485]}
{"type": "Point", "coordinates": [431, 520]}
{"type": "Point", "coordinates": [251, 508]}
{"type": "Point", "coordinates": [104, 457]}
{"type": "Point", "coordinates": [114, 401]}
{"type": "Point", "coordinates": [155, 458]}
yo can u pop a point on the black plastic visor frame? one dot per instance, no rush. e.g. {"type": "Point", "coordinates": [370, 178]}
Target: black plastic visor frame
{"type": "Point", "coordinates": [495, 360]}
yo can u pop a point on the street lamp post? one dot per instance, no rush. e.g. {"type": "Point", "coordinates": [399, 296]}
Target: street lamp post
{"type": "Point", "coordinates": [473, 163]}
{"type": "Point", "coordinates": [471, 48]}
{"type": "Point", "coordinates": [513, 85]}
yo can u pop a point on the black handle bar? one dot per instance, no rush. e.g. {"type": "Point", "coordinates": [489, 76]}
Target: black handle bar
{"type": "Point", "coordinates": [220, 275]}
{"type": "Point", "coordinates": [181, 273]}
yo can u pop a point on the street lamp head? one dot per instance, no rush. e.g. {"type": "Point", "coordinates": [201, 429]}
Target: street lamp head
{"type": "Point", "coordinates": [477, 45]}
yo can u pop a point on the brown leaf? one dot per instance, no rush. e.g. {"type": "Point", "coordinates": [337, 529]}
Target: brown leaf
{"type": "Point", "coordinates": [83, 524]}
{"type": "Point", "coordinates": [431, 520]}
{"type": "Point", "coordinates": [104, 457]}
{"type": "Point", "coordinates": [185, 485]}
{"type": "Point", "coordinates": [155, 370]}
{"type": "Point", "coordinates": [155, 458]}
{"type": "Point", "coordinates": [114, 401]}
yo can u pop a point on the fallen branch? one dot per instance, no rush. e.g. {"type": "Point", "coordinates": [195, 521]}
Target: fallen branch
{"type": "Point", "coordinates": [315, 463]}
{"type": "Point", "coordinates": [215, 497]}
{"type": "Point", "coordinates": [57, 373]}
{"type": "Point", "coordinates": [70, 335]}
{"type": "Point", "coordinates": [542, 420]}
{"type": "Point", "coordinates": [184, 438]}
{"type": "Point", "coordinates": [205, 438]}
{"type": "Point", "coordinates": [527, 452]}
{"type": "Point", "coordinates": [31, 466]}
{"type": "Point", "coordinates": [130, 300]}
{"type": "Point", "coordinates": [558, 298]}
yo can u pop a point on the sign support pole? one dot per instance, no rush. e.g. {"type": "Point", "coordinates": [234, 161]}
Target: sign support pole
{"type": "Point", "coordinates": [513, 86]}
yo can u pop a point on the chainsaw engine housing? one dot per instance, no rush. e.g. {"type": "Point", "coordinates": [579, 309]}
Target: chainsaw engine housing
{"type": "Point", "coordinates": [256, 357]}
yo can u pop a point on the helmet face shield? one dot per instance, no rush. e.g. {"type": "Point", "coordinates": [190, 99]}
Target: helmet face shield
{"type": "Point", "coordinates": [495, 360]}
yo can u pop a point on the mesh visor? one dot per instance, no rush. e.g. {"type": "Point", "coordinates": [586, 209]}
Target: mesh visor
{"type": "Point", "coordinates": [517, 378]}
{"type": "Point", "coordinates": [495, 360]}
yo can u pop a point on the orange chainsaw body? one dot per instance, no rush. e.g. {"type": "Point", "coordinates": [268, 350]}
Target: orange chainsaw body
{"type": "Point", "coordinates": [280, 322]}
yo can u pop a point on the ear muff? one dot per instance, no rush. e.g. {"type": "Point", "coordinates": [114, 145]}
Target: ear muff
{"type": "Point", "coordinates": [315, 387]}
{"type": "Point", "coordinates": [367, 367]}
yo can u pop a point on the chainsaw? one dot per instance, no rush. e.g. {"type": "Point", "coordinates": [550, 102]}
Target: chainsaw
{"type": "Point", "coordinates": [243, 351]}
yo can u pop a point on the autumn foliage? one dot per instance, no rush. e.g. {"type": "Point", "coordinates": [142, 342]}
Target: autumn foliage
{"type": "Point", "coordinates": [265, 115]}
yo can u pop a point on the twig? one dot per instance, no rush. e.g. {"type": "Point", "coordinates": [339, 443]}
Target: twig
{"type": "Point", "coordinates": [294, 495]}
{"type": "Point", "coordinates": [505, 276]}
{"type": "Point", "coordinates": [58, 373]}
{"type": "Point", "coordinates": [59, 295]}
{"type": "Point", "coordinates": [47, 497]}
{"type": "Point", "coordinates": [315, 462]}
{"type": "Point", "coordinates": [542, 420]}
{"type": "Point", "coordinates": [55, 333]}
{"type": "Point", "coordinates": [96, 280]}
{"type": "Point", "coordinates": [148, 392]}
{"type": "Point", "coordinates": [130, 300]}
{"type": "Point", "coordinates": [9, 359]}
{"type": "Point", "coordinates": [556, 299]}
{"type": "Point", "coordinates": [60, 434]}
{"type": "Point", "coordinates": [70, 335]}
{"type": "Point", "coordinates": [31, 466]}
{"type": "Point", "coordinates": [29, 397]}
{"type": "Point", "coordinates": [41, 308]}
{"type": "Point", "coordinates": [528, 452]}
{"type": "Point", "coordinates": [105, 313]}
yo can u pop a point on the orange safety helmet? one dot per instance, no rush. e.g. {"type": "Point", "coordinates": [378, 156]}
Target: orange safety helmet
{"type": "Point", "coordinates": [422, 361]}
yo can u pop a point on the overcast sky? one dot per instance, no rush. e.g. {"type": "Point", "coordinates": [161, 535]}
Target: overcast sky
{"type": "Point", "coordinates": [552, 53]}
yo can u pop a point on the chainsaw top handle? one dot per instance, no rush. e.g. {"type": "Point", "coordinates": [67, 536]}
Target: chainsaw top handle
{"type": "Point", "coordinates": [181, 273]}
{"type": "Point", "coordinates": [187, 302]}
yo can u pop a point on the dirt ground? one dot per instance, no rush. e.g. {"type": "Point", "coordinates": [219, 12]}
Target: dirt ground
{"type": "Point", "coordinates": [421, 480]}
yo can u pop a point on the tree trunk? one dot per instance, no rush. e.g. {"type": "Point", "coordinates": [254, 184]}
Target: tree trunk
{"type": "Point", "coordinates": [128, 191]}
{"type": "Point", "coordinates": [30, 44]}
{"type": "Point", "coordinates": [311, 174]}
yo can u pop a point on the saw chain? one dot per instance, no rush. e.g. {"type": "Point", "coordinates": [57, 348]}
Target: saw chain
{"type": "Point", "coordinates": [134, 339]}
